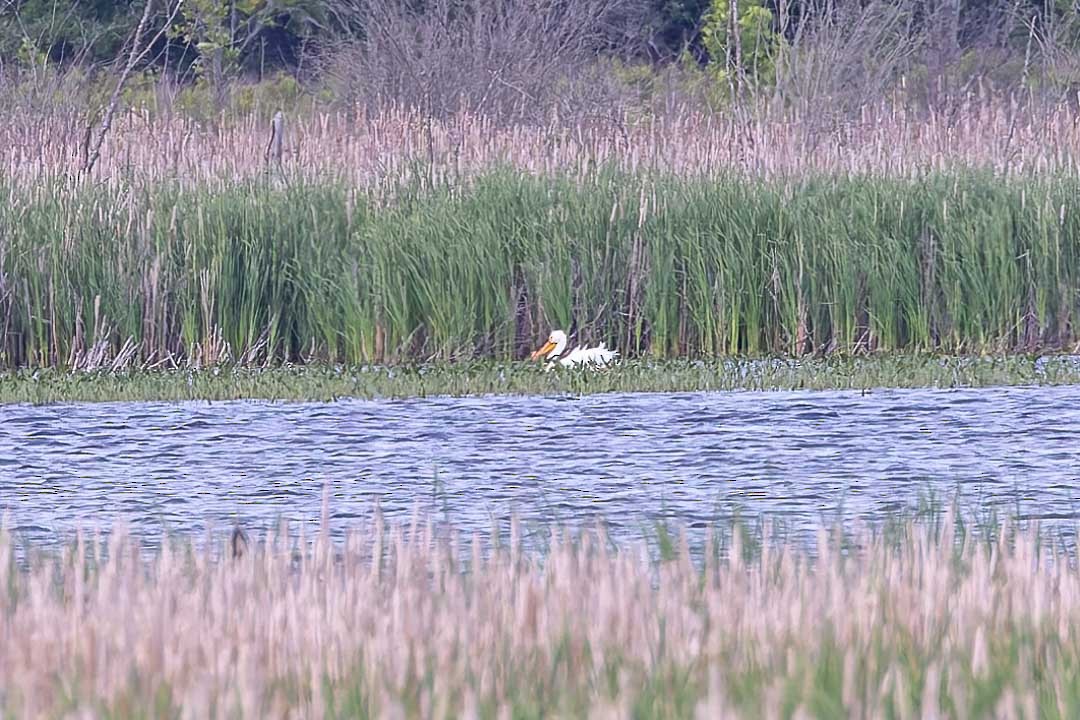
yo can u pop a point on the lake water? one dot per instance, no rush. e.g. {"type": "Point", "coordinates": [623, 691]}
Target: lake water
{"type": "Point", "coordinates": [803, 458]}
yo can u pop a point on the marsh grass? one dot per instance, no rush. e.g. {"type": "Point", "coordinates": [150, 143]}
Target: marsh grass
{"type": "Point", "coordinates": [163, 275]}
{"type": "Point", "coordinates": [322, 383]}
{"type": "Point", "coordinates": [406, 621]}
{"type": "Point", "coordinates": [375, 149]}
{"type": "Point", "coordinates": [392, 238]}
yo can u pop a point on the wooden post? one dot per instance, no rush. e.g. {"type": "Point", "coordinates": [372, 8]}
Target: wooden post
{"type": "Point", "coordinates": [274, 147]}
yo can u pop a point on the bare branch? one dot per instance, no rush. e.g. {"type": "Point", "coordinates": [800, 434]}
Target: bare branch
{"type": "Point", "coordinates": [92, 148]}
{"type": "Point", "coordinates": [502, 58]}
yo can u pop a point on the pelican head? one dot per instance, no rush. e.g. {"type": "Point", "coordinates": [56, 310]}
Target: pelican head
{"type": "Point", "coordinates": [555, 345]}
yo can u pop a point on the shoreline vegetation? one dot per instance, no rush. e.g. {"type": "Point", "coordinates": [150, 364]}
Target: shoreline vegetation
{"type": "Point", "coordinates": [472, 379]}
{"type": "Point", "coordinates": [658, 265]}
{"type": "Point", "coordinates": [428, 192]}
{"type": "Point", "coordinates": [934, 618]}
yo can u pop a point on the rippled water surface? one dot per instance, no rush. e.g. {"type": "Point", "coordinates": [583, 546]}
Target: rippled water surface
{"type": "Point", "coordinates": [807, 457]}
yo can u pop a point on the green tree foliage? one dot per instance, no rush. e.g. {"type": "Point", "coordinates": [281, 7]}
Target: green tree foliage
{"type": "Point", "coordinates": [233, 35]}
{"type": "Point", "coordinates": [216, 38]}
{"type": "Point", "coordinates": [742, 42]}
{"type": "Point", "coordinates": [207, 26]}
{"type": "Point", "coordinates": [743, 47]}
{"type": "Point", "coordinates": [34, 32]}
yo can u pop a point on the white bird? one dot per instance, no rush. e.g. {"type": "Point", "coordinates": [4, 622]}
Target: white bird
{"type": "Point", "coordinates": [555, 352]}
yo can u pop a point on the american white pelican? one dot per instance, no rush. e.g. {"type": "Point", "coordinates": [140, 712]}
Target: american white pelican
{"type": "Point", "coordinates": [555, 352]}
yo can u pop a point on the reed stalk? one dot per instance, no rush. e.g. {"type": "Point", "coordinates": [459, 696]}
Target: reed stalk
{"type": "Point", "coordinates": [375, 149]}
{"type": "Point", "coordinates": [170, 275]}
{"type": "Point", "coordinates": [933, 620]}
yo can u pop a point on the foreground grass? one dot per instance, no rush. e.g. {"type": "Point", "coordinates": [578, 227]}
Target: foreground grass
{"type": "Point", "coordinates": [929, 621]}
{"type": "Point", "coordinates": [325, 383]}
{"type": "Point", "coordinates": [655, 264]}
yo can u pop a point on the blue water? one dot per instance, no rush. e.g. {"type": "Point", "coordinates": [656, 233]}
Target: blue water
{"type": "Point", "coordinates": [802, 458]}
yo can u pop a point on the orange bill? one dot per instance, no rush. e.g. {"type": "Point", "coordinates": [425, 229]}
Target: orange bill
{"type": "Point", "coordinates": [548, 347]}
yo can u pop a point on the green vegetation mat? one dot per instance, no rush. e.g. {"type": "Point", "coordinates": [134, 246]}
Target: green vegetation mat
{"type": "Point", "coordinates": [520, 378]}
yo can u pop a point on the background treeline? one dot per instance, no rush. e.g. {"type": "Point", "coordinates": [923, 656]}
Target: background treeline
{"type": "Point", "coordinates": [516, 57]}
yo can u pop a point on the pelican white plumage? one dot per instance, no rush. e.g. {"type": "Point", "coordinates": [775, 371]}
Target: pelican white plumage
{"type": "Point", "coordinates": [555, 352]}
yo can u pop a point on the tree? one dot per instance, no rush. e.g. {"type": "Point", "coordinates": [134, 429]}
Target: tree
{"type": "Point", "coordinates": [217, 38]}
{"type": "Point", "coordinates": [231, 35]}
{"type": "Point", "coordinates": [676, 26]}
{"type": "Point", "coordinates": [64, 31]}
{"type": "Point", "coordinates": [488, 56]}
{"type": "Point", "coordinates": [743, 46]}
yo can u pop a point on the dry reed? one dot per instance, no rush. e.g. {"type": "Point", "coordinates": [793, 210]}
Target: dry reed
{"type": "Point", "coordinates": [397, 622]}
{"type": "Point", "coordinates": [368, 149]}
{"type": "Point", "coordinates": [685, 234]}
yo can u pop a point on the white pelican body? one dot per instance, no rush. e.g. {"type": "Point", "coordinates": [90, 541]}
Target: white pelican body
{"type": "Point", "coordinates": [555, 352]}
